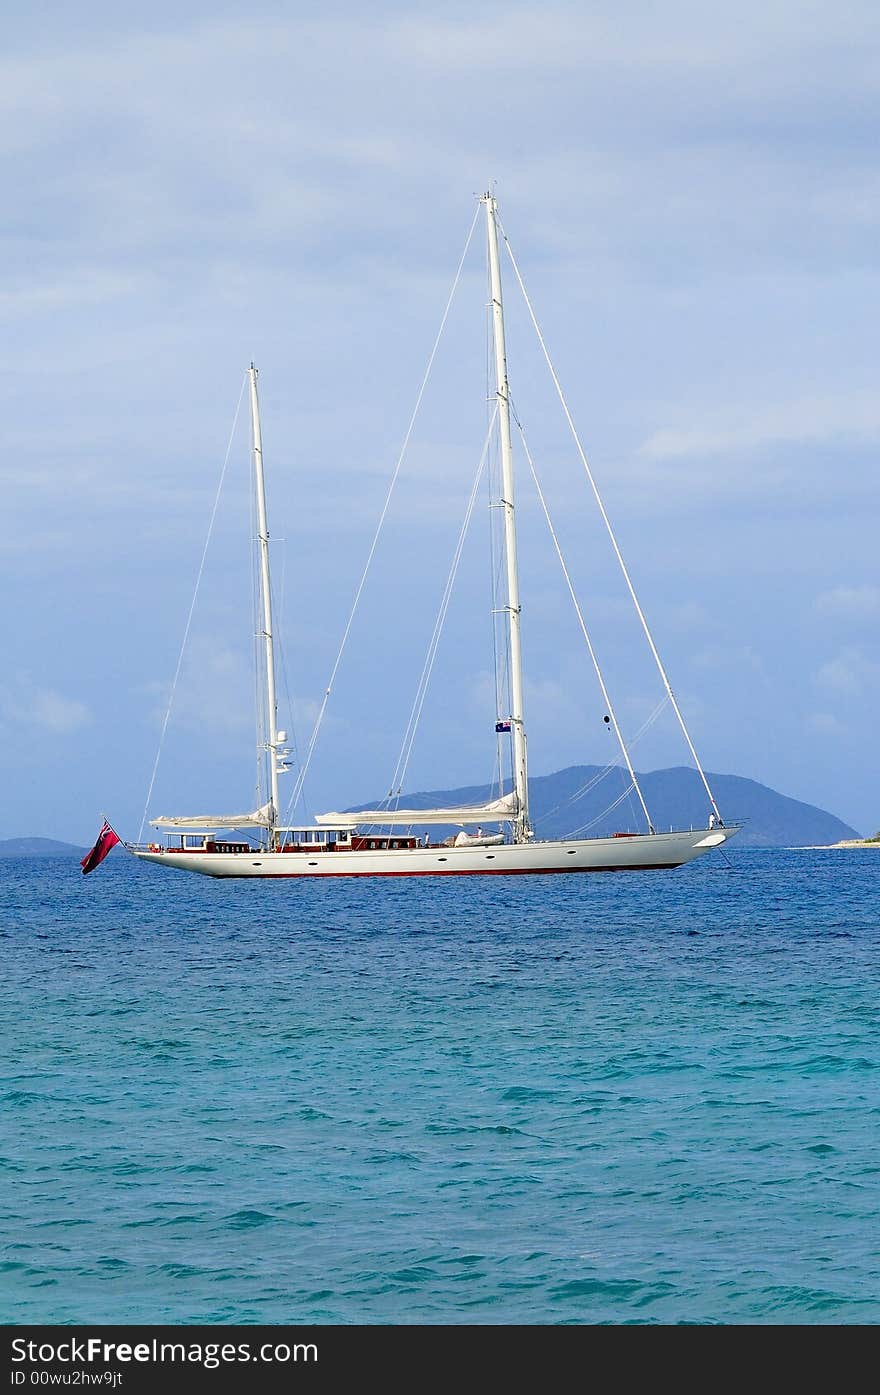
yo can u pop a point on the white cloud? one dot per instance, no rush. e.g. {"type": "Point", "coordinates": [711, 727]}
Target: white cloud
{"type": "Point", "coordinates": [825, 724]}
{"type": "Point", "coordinates": [214, 693]}
{"type": "Point", "coordinates": [688, 615]}
{"type": "Point", "coordinates": [854, 602]}
{"type": "Point", "coordinates": [691, 194]}
{"type": "Point", "coordinates": [849, 674]}
{"type": "Point", "coordinates": [24, 703]}
{"type": "Point", "coordinates": [721, 656]}
{"type": "Point", "coordinates": [590, 39]}
{"type": "Point", "coordinates": [84, 287]}
{"type": "Point", "coordinates": [809, 420]}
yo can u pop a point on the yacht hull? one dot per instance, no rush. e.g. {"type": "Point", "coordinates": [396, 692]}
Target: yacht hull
{"type": "Point", "coordinates": [636, 853]}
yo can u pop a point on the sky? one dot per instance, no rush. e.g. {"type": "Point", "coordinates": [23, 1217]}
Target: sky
{"type": "Point", "coordinates": [692, 196]}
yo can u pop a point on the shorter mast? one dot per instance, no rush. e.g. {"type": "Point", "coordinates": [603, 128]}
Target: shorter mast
{"type": "Point", "coordinates": [272, 741]}
{"type": "Point", "coordinates": [522, 828]}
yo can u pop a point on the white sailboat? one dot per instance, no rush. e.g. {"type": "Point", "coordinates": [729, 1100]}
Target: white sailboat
{"type": "Point", "coordinates": [383, 841]}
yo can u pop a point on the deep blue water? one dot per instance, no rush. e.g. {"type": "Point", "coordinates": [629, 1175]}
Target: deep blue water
{"type": "Point", "coordinates": [635, 1098]}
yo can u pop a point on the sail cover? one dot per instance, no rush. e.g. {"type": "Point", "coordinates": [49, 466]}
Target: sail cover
{"type": "Point", "coordinates": [260, 818]}
{"type": "Point", "coordinates": [504, 808]}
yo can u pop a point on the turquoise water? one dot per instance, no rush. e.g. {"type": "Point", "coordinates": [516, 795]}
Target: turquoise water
{"type": "Point", "coordinates": [640, 1098]}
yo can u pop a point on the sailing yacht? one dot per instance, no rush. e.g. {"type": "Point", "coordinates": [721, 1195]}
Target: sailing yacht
{"type": "Point", "coordinates": [389, 841]}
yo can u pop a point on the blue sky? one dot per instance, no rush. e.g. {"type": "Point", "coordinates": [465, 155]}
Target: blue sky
{"type": "Point", "coordinates": [692, 197]}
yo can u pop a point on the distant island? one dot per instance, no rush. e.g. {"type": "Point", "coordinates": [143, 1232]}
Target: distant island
{"type": "Point", "coordinates": [38, 847]}
{"type": "Point", "coordinates": [569, 802]}
{"type": "Point", "coordinates": [576, 800]}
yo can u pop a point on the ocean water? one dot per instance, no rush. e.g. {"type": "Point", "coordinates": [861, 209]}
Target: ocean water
{"type": "Point", "coordinates": [643, 1098]}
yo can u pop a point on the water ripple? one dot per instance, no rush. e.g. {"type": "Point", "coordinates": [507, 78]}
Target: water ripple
{"type": "Point", "coordinates": [639, 1100]}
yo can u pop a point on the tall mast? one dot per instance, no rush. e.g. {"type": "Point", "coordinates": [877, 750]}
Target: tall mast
{"type": "Point", "coordinates": [271, 734]}
{"type": "Point", "coordinates": [522, 828]}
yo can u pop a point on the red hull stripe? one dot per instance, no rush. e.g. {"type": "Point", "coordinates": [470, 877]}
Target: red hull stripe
{"type": "Point", "coordinates": [448, 872]}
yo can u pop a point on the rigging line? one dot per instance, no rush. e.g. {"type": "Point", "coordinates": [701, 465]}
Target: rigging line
{"type": "Point", "coordinates": [494, 573]}
{"type": "Point", "coordinates": [192, 607]}
{"type": "Point", "coordinates": [608, 704]}
{"type": "Point", "coordinates": [649, 721]}
{"type": "Point", "coordinates": [495, 552]}
{"type": "Point", "coordinates": [501, 619]}
{"type": "Point", "coordinates": [427, 668]}
{"type": "Point", "coordinates": [500, 655]}
{"type": "Point", "coordinates": [403, 758]}
{"type": "Point", "coordinates": [612, 765]}
{"type": "Point", "coordinates": [493, 622]}
{"type": "Point", "coordinates": [632, 811]}
{"type": "Point", "coordinates": [584, 789]}
{"type": "Point", "coordinates": [494, 783]}
{"type": "Point", "coordinates": [291, 711]}
{"type": "Point", "coordinates": [604, 814]}
{"type": "Point", "coordinates": [258, 654]}
{"type": "Point", "coordinates": [279, 646]}
{"type": "Point", "coordinates": [619, 555]}
{"type": "Point", "coordinates": [424, 383]}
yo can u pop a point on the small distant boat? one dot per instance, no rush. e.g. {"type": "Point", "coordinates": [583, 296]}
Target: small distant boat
{"type": "Point", "coordinates": [388, 841]}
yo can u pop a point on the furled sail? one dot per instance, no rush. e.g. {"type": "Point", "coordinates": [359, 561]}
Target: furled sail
{"type": "Point", "coordinates": [260, 818]}
{"type": "Point", "coordinates": [504, 809]}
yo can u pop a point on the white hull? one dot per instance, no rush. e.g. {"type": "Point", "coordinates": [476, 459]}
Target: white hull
{"type": "Point", "coordinates": [643, 852]}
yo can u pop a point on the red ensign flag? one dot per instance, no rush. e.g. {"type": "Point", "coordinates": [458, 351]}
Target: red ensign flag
{"type": "Point", "coordinates": [107, 839]}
